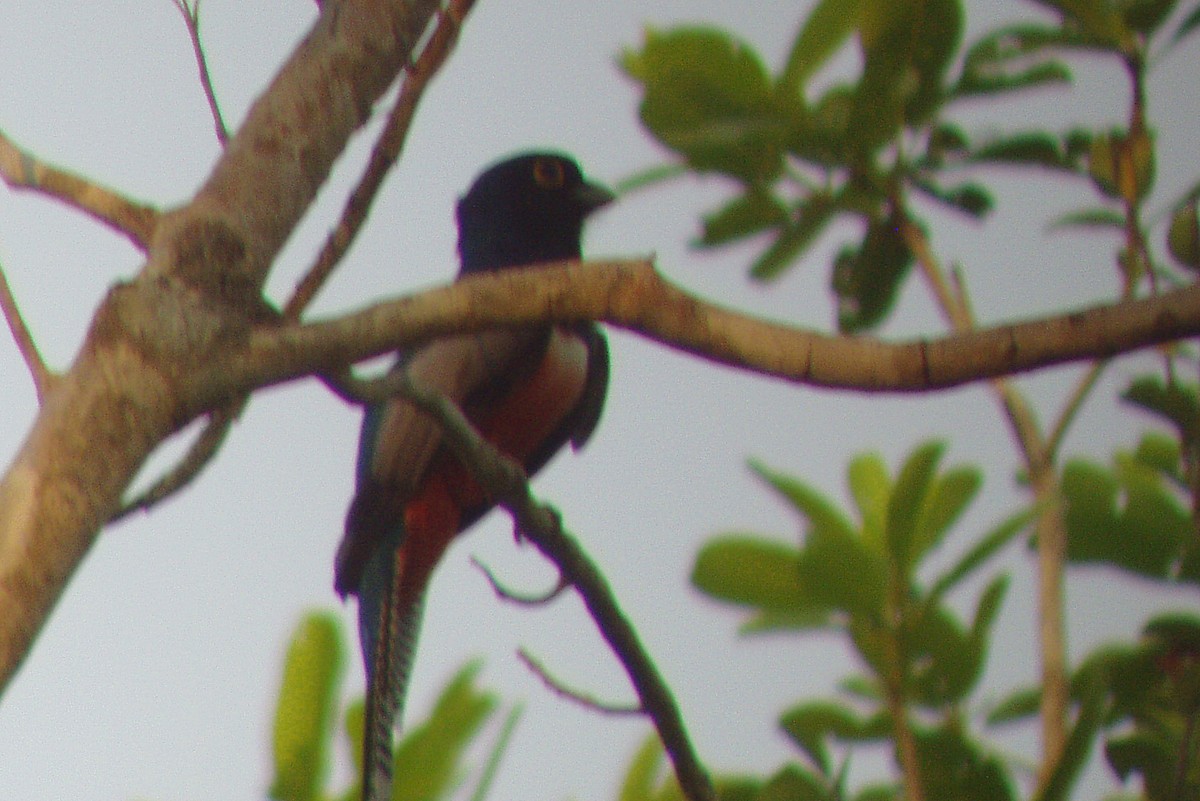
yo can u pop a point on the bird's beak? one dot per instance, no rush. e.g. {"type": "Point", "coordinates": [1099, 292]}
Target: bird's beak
{"type": "Point", "coordinates": [593, 196]}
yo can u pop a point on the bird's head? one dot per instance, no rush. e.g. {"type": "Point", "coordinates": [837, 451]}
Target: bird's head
{"type": "Point", "coordinates": [526, 210]}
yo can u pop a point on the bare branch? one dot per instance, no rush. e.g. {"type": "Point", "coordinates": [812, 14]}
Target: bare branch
{"type": "Point", "coordinates": [633, 295]}
{"type": "Point", "coordinates": [20, 170]}
{"type": "Point", "coordinates": [571, 694]}
{"type": "Point", "coordinates": [191, 18]}
{"type": "Point", "coordinates": [43, 377]}
{"type": "Point", "coordinates": [506, 482]}
{"type": "Point", "coordinates": [385, 154]}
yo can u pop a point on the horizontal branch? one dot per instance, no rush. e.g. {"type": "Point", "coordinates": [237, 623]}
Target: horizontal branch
{"type": "Point", "coordinates": [633, 295]}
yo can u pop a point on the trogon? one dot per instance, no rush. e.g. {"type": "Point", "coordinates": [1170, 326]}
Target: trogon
{"type": "Point", "coordinates": [527, 390]}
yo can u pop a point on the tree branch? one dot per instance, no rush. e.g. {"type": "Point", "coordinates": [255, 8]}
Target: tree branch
{"type": "Point", "coordinates": [43, 378]}
{"type": "Point", "coordinates": [633, 295]}
{"type": "Point", "coordinates": [506, 482]}
{"type": "Point", "coordinates": [20, 170]}
{"type": "Point", "coordinates": [198, 295]}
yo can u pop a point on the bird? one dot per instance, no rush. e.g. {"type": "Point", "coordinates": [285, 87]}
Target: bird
{"type": "Point", "coordinates": [529, 391]}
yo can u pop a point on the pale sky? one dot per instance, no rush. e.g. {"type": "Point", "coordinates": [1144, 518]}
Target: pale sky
{"type": "Point", "coordinates": [157, 674]}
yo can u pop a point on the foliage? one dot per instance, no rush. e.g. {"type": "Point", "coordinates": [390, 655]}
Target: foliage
{"type": "Point", "coordinates": [807, 145]}
{"type": "Point", "coordinates": [429, 760]}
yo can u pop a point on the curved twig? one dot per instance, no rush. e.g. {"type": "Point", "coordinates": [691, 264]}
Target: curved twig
{"type": "Point", "coordinates": [578, 696]}
{"type": "Point", "coordinates": [522, 600]}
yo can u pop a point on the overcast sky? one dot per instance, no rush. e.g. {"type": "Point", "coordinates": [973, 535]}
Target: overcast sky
{"type": "Point", "coordinates": [158, 671]}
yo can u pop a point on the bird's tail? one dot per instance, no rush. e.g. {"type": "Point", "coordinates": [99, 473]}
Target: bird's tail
{"type": "Point", "coordinates": [389, 618]}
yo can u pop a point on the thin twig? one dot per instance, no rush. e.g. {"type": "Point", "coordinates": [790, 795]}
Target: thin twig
{"type": "Point", "coordinates": [384, 155]}
{"type": "Point", "coordinates": [20, 170]}
{"type": "Point", "coordinates": [191, 18]}
{"type": "Point", "coordinates": [571, 694]}
{"type": "Point", "coordinates": [518, 598]}
{"type": "Point", "coordinates": [43, 378]}
{"type": "Point", "coordinates": [1050, 527]}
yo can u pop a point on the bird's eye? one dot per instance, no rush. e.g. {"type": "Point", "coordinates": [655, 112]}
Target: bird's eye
{"type": "Point", "coordinates": [548, 174]}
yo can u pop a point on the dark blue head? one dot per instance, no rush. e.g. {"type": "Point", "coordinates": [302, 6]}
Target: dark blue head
{"type": "Point", "coordinates": [525, 210]}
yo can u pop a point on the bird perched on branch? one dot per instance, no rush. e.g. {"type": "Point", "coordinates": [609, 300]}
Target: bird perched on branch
{"type": "Point", "coordinates": [527, 390]}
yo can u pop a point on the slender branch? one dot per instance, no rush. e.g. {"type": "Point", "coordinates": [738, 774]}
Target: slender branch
{"type": "Point", "coordinates": [43, 378]}
{"type": "Point", "coordinates": [632, 295]}
{"type": "Point", "coordinates": [506, 482]}
{"type": "Point", "coordinates": [191, 18]}
{"type": "Point", "coordinates": [571, 694]}
{"type": "Point", "coordinates": [20, 170]}
{"type": "Point", "coordinates": [1050, 526]}
{"type": "Point", "coordinates": [385, 154]}
{"type": "Point", "coordinates": [1071, 409]}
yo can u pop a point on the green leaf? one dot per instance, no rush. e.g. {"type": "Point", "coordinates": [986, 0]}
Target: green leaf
{"type": "Point", "coordinates": [1098, 21]}
{"type": "Point", "coordinates": [870, 487]}
{"type": "Point", "coordinates": [1183, 235]}
{"type": "Point", "coordinates": [427, 760]}
{"type": "Point", "coordinates": [820, 511]}
{"type": "Point", "coordinates": [495, 756]}
{"type": "Point", "coordinates": [1146, 16]}
{"type": "Point", "coordinates": [837, 571]}
{"type": "Point", "coordinates": [808, 221]}
{"type": "Point", "coordinates": [821, 135]}
{"type": "Point", "coordinates": [1143, 537]}
{"type": "Point", "coordinates": [760, 574]}
{"type": "Point", "coordinates": [1006, 60]}
{"type": "Point", "coordinates": [304, 717]}
{"type": "Point", "coordinates": [971, 199]}
{"type": "Point", "coordinates": [1177, 402]}
{"type": "Point", "coordinates": [907, 499]}
{"type": "Point", "coordinates": [753, 211]}
{"type": "Point", "coordinates": [1089, 218]}
{"type": "Point", "coordinates": [1019, 705]}
{"type": "Point", "coordinates": [1028, 148]}
{"type": "Point", "coordinates": [990, 544]}
{"type": "Point", "coordinates": [947, 499]}
{"type": "Point", "coordinates": [1160, 452]}
{"type": "Point", "coordinates": [810, 724]}
{"type": "Point", "coordinates": [708, 97]}
{"type": "Point", "coordinates": [793, 783]}
{"type": "Point", "coordinates": [1187, 27]}
{"type": "Point", "coordinates": [867, 280]}
{"type": "Point", "coordinates": [906, 48]}
{"type": "Point", "coordinates": [642, 776]}
{"type": "Point", "coordinates": [954, 766]}
{"type": "Point", "coordinates": [827, 27]}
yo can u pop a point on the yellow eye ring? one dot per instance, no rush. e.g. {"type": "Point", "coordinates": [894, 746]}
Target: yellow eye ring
{"type": "Point", "coordinates": [548, 174]}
